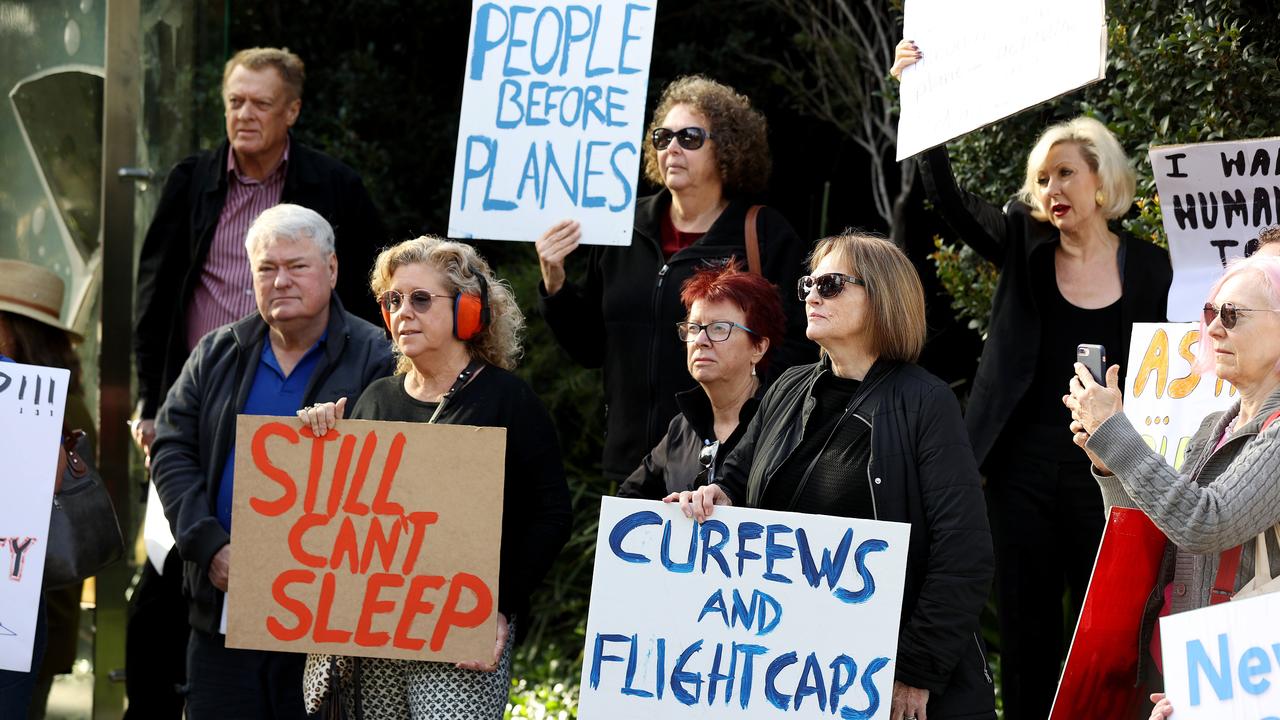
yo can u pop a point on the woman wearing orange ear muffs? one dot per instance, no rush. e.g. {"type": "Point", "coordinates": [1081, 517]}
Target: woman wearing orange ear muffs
{"type": "Point", "coordinates": [456, 331]}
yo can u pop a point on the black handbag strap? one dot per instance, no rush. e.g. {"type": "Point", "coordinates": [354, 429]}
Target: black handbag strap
{"type": "Point", "coordinates": [864, 392]}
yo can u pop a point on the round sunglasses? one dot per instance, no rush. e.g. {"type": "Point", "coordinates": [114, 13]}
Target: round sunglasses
{"type": "Point", "coordinates": [393, 300]}
{"type": "Point", "coordinates": [690, 138]}
{"type": "Point", "coordinates": [717, 331]}
{"type": "Point", "coordinates": [1228, 313]}
{"type": "Point", "coordinates": [828, 285]}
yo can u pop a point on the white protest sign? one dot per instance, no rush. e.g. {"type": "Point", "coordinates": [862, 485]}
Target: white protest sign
{"type": "Point", "coordinates": [986, 61]}
{"type": "Point", "coordinates": [1164, 397]}
{"type": "Point", "coordinates": [32, 400]}
{"type": "Point", "coordinates": [1214, 199]}
{"type": "Point", "coordinates": [1223, 662]}
{"type": "Point", "coordinates": [552, 118]}
{"type": "Point", "coordinates": [752, 614]}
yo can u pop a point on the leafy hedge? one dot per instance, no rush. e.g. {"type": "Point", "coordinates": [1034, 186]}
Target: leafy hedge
{"type": "Point", "coordinates": [1177, 72]}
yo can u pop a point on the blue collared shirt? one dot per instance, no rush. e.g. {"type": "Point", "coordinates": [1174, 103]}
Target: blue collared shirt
{"type": "Point", "coordinates": [272, 393]}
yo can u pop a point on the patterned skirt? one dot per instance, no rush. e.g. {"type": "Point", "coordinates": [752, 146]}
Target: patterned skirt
{"type": "Point", "coordinates": [381, 689]}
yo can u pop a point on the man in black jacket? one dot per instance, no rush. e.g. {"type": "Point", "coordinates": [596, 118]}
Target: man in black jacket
{"type": "Point", "coordinates": [301, 348]}
{"type": "Point", "coordinates": [193, 277]}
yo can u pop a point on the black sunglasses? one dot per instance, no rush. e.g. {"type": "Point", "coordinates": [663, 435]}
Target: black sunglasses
{"type": "Point", "coordinates": [1228, 313]}
{"type": "Point", "coordinates": [690, 138]}
{"type": "Point", "coordinates": [393, 300]}
{"type": "Point", "coordinates": [828, 285]}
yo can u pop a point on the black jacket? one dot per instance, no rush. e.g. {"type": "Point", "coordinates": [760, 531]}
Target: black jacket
{"type": "Point", "coordinates": [623, 319]}
{"type": "Point", "coordinates": [196, 429]}
{"type": "Point", "coordinates": [921, 472]}
{"type": "Point", "coordinates": [1009, 239]}
{"type": "Point", "coordinates": [675, 463]}
{"type": "Point", "coordinates": [181, 233]}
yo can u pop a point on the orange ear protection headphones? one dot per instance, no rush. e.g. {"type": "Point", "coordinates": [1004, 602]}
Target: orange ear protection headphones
{"type": "Point", "coordinates": [470, 312]}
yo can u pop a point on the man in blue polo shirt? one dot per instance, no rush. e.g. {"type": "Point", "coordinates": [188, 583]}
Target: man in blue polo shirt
{"type": "Point", "coordinates": [301, 348]}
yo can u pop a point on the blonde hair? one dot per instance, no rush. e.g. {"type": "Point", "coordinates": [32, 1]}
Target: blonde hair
{"type": "Point", "coordinates": [1101, 151]}
{"type": "Point", "coordinates": [499, 343]}
{"type": "Point", "coordinates": [893, 286]}
{"type": "Point", "coordinates": [291, 68]}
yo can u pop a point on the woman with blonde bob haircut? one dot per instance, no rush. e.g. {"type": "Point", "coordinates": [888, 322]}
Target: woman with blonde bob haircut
{"type": "Point", "coordinates": [456, 330]}
{"type": "Point", "coordinates": [866, 433]}
{"type": "Point", "coordinates": [1068, 277]}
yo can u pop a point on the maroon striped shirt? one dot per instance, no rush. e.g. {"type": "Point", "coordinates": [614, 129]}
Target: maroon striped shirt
{"type": "Point", "coordinates": [225, 291]}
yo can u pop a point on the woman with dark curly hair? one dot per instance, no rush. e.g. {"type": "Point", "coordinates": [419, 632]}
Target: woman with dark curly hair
{"type": "Point", "coordinates": [707, 150]}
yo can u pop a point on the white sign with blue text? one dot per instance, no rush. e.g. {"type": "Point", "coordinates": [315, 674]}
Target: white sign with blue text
{"type": "Point", "coordinates": [32, 400]}
{"type": "Point", "coordinates": [751, 614]}
{"type": "Point", "coordinates": [552, 119]}
{"type": "Point", "coordinates": [1223, 662]}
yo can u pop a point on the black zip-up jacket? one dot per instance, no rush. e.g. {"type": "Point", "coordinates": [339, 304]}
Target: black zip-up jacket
{"type": "Point", "coordinates": [196, 429]}
{"type": "Point", "coordinates": [181, 233]}
{"type": "Point", "coordinates": [921, 472]}
{"type": "Point", "coordinates": [1009, 239]}
{"type": "Point", "coordinates": [623, 318]}
{"type": "Point", "coordinates": [675, 463]}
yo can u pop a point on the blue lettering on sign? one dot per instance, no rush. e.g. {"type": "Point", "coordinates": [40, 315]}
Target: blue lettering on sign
{"type": "Point", "coordinates": [776, 697]}
{"type": "Point", "coordinates": [749, 653]}
{"type": "Point", "coordinates": [513, 43]}
{"type": "Point", "coordinates": [667, 562]}
{"type": "Point", "coordinates": [747, 531]}
{"type": "Point", "coordinates": [716, 549]}
{"type": "Point", "coordinates": [481, 41]}
{"type": "Point", "coordinates": [868, 582]}
{"type": "Point", "coordinates": [715, 677]}
{"type": "Point", "coordinates": [811, 683]}
{"type": "Point", "coordinates": [626, 202]}
{"type": "Point", "coordinates": [775, 551]}
{"type": "Point", "coordinates": [626, 38]}
{"type": "Point", "coordinates": [680, 676]}
{"type": "Point", "coordinates": [1254, 662]}
{"type": "Point", "coordinates": [832, 567]}
{"type": "Point", "coordinates": [549, 65]}
{"type": "Point", "coordinates": [598, 657]}
{"type": "Point", "coordinates": [590, 201]}
{"type": "Point", "coordinates": [624, 528]}
{"type": "Point", "coordinates": [868, 687]}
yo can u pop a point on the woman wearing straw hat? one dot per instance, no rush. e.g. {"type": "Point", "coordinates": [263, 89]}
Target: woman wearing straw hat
{"type": "Point", "coordinates": [31, 332]}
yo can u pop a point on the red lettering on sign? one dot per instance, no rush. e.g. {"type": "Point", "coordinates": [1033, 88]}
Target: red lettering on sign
{"type": "Point", "coordinates": [451, 617]}
{"type": "Point", "coordinates": [324, 633]}
{"type": "Point", "coordinates": [279, 630]}
{"type": "Point", "coordinates": [372, 606]}
{"type": "Point", "coordinates": [305, 523]}
{"type": "Point", "coordinates": [282, 504]}
{"type": "Point", "coordinates": [414, 606]}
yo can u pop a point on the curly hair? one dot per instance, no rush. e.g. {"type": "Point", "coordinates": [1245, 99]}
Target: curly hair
{"type": "Point", "coordinates": [498, 344]}
{"type": "Point", "coordinates": [741, 142]}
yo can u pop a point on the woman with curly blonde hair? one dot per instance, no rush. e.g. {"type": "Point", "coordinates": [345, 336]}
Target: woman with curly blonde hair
{"type": "Point", "coordinates": [456, 330]}
{"type": "Point", "coordinates": [707, 151]}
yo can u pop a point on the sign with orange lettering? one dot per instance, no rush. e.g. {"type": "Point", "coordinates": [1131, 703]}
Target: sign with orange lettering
{"type": "Point", "coordinates": [1164, 397]}
{"type": "Point", "coordinates": [380, 539]}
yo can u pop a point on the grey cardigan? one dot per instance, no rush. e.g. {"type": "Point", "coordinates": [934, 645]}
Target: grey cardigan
{"type": "Point", "coordinates": [1223, 497]}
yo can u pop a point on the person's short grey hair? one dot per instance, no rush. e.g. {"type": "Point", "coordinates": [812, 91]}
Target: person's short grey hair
{"type": "Point", "coordinates": [290, 221]}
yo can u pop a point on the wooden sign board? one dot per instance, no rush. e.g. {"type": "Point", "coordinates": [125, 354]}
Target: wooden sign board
{"type": "Point", "coordinates": [380, 539]}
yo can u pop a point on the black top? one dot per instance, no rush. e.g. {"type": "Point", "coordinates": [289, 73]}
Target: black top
{"type": "Point", "coordinates": [536, 515]}
{"type": "Point", "coordinates": [631, 294]}
{"type": "Point", "coordinates": [1010, 238]}
{"type": "Point", "coordinates": [1064, 327]}
{"type": "Point", "coordinates": [833, 456]}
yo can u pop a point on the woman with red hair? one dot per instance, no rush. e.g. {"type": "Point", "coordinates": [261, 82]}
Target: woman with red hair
{"type": "Point", "coordinates": [734, 318]}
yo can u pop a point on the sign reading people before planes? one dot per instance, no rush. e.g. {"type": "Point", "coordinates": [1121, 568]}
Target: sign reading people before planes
{"type": "Point", "coordinates": [986, 61]}
{"type": "Point", "coordinates": [32, 400]}
{"type": "Point", "coordinates": [1214, 199]}
{"type": "Point", "coordinates": [751, 614]}
{"type": "Point", "coordinates": [552, 121]}
{"type": "Point", "coordinates": [1223, 662]}
{"type": "Point", "coordinates": [1164, 397]}
{"type": "Point", "coordinates": [379, 539]}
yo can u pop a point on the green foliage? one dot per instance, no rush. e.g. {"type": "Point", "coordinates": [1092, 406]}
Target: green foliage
{"type": "Point", "coordinates": [1177, 72]}
{"type": "Point", "coordinates": [542, 702]}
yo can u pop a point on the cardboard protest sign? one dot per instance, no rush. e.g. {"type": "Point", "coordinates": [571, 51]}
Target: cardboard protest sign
{"type": "Point", "coordinates": [752, 614]}
{"type": "Point", "coordinates": [1223, 662]}
{"type": "Point", "coordinates": [552, 118]}
{"type": "Point", "coordinates": [1214, 199]}
{"type": "Point", "coordinates": [1165, 398]}
{"type": "Point", "coordinates": [1102, 665]}
{"type": "Point", "coordinates": [380, 539]}
{"type": "Point", "coordinates": [32, 400]}
{"type": "Point", "coordinates": [985, 61]}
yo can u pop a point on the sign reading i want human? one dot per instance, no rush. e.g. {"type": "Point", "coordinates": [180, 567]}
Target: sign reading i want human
{"type": "Point", "coordinates": [1214, 200]}
{"type": "Point", "coordinates": [552, 119]}
{"type": "Point", "coordinates": [751, 614]}
{"type": "Point", "coordinates": [32, 400]}
{"type": "Point", "coordinates": [1223, 662]}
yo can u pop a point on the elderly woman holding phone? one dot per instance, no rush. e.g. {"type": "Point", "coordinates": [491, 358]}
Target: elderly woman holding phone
{"type": "Point", "coordinates": [1224, 504]}
{"type": "Point", "coordinates": [456, 330]}
{"type": "Point", "coordinates": [734, 320]}
{"type": "Point", "coordinates": [1067, 278]}
{"type": "Point", "coordinates": [708, 152]}
{"type": "Point", "coordinates": [866, 433]}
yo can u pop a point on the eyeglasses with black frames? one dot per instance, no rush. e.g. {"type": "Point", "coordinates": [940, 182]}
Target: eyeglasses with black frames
{"type": "Point", "coordinates": [690, 138]}
{"type": "Point", "coordinates": [717, 331]}
{"type": "Point", "coordinates": [829, 285]}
